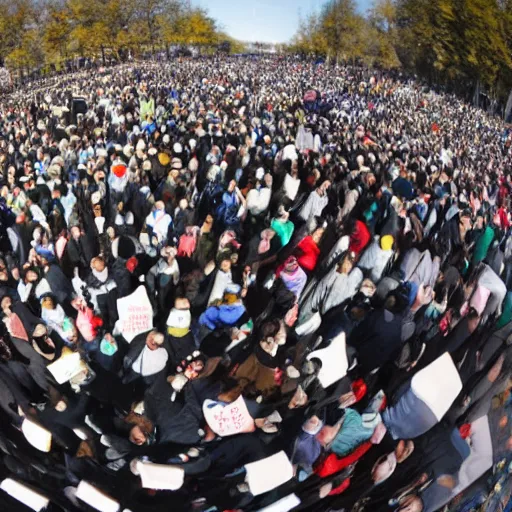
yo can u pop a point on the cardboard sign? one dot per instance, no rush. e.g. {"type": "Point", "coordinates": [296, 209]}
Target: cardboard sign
{"type": "Point", "coordinates": [66, 367]}
{"type": "Point", "coordinates": [135, 314]}
{"type": "Point", "coordinates": [228, 419]}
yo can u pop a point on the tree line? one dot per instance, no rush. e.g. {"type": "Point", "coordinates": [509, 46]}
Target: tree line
{"type": "Point", "coordinates": [463, 44]}
{"type": "Point", "coordinates": [36, 33]}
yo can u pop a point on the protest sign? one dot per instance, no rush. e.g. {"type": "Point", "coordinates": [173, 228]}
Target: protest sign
{"type": "Point", "coordinates": [135, 314]}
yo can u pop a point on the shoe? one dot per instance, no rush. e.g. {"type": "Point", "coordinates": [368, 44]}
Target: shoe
{"type": "Point", "coordinates": [105, 441]}
{"type": "Point", "coordinates": [275, 417]}
{"type": "Point", "coordinates": [113, 454]}
{"type": "Point", "coordinates": [116, 465]}
{"type": "Point", "coordinates": [89, 423]}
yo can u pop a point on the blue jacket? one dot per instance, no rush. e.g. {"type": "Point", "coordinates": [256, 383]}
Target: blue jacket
{"type": "Point", "coordinates": [222, 316]}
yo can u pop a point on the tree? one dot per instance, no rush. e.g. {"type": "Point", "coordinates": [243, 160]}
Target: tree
{"type": "Point", "coordinates": [56, 32]}
{"type": "Point", "coordinates": [343, 29]}
{"type": "Point", "coordinates": [196, 28]}
{"type": "Point", "coordinates": [383, 34]}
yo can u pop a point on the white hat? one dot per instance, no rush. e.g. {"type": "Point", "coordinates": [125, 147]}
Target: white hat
{"type": "Point", "coordinates": [166, 139]}
{"type": "Point", "coordinates": [176, 163]}
{"type": "Point", "coordinates": [141, 145]}
{"type": "Point", "coordinates": [177, 148]}
{"type": "Point", "coordinates": [128, 151]}
{"type": "Point", "coordinates": [260, 173]}
{"type": "Point", "coordinates": [152, 151]}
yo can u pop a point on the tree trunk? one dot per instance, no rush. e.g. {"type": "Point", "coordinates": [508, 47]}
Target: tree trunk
{"type": "Point", "coordinates": [103, 54]}
{"type": "Point", "coordinates": [508, 107]}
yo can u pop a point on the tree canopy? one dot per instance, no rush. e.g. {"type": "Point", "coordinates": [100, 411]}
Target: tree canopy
{"type": "Point", "coordinates": [41, 32]}
{"type": "Point", "coordinates": [447, 41]}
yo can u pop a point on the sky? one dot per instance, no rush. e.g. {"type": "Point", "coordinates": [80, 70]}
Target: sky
{"type": "Point", "coordinates": [272, 21]}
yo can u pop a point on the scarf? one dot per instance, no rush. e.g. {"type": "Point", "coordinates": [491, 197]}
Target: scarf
{"type": "Point", "coordinates": [264, 245]}
{"type": "Point", "coordinates": [178, 322]}
{"type": "Point", "coordinates": [292, 276]}
{"type": "Point", "coordinates": [264, 358]}
{"type": "Point", "coordinates": [101, 276]}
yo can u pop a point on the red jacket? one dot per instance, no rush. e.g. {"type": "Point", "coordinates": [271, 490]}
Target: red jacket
{"type": "Point", "coordinates": [360, 238]}
{"type": "Point", "coordinates": [307, 253]}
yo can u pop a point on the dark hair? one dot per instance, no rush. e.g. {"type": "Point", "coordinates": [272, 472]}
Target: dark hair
{"type": "Point", "coordinates": [269, 329]}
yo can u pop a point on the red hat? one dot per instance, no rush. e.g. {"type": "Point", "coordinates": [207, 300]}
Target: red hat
{"type": "Point", "coordinates": [359, 389]}
{"type": "Point", "coordinates": [119, 169]}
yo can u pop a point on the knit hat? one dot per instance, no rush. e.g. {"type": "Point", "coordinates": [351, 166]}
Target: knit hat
{"type": "Point", "coordinates": [386, 242]}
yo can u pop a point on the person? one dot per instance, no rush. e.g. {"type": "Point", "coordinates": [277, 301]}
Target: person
{"type": "Point", "coordinates": [206, 240]}
{"type": "Point", "coordinates": [146, 358]}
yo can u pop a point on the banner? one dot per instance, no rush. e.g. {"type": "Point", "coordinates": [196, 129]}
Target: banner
{"type": "Point", "coordinates": [135, 314]}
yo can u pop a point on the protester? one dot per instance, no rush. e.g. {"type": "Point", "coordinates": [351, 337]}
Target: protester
{"type": "Point", "coordinates": [217, 294]}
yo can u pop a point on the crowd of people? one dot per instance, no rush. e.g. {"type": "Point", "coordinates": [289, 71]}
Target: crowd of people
{"type": "Point", "coordinates": [251, 284]}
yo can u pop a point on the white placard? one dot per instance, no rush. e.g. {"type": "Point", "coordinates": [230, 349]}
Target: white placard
{"type": "Point", "coordinates": [66, 367]}
{"type": "Point", "coordinates": [160, 476]}
{"type": "Point", "coordinates": [135, 314]}
{"type": "Point", "coordinates": [438, 385]}
{"type": "Point", "coordinates": [24, 494]}
{"type": "Point", "coordinates": [267, 474]}
{"type": "Point", "coordinates": [95, 498]}
{"type": "Point", "coordinates": [36, 435]}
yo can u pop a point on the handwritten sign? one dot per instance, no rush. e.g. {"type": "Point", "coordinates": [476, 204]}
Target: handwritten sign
{"type": "Point", "coordinates": [135, 314]}
{"type": "Point", "coordinates": [228, 419]}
